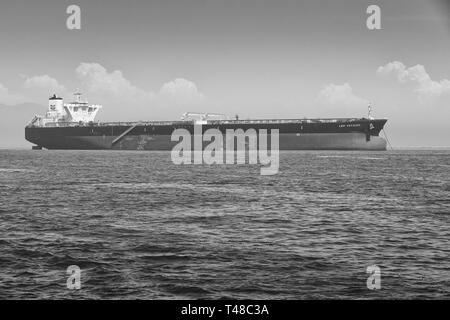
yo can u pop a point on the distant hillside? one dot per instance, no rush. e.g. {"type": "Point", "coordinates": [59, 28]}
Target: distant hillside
{"type": "Point", "coordinates": [13, 120]}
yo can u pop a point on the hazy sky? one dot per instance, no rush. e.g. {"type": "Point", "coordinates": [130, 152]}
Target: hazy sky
{"type": "Point", "coordinates": [145, 60]}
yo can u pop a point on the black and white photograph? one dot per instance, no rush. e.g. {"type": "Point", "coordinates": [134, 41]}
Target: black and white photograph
{"type": "Point", "coordinates": [225, 154]}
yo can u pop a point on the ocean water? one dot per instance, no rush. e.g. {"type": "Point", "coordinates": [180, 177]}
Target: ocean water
{"type": "Point", "coordinates": [140, 227]}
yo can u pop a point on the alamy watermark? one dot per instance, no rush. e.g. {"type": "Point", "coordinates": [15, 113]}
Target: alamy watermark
{"type": "Point", "coordinates": [373, 282]}
{"type": "Point", "coordinates": [73, 22]}
{"type": "Point", "coordinates": [374, 279]}
{"type": "Point", "coordinates": [373, 22]}
{"type": "Point", "coordinates": [233, 147]}
{"type": "Point", "coordinates": [74, 279]}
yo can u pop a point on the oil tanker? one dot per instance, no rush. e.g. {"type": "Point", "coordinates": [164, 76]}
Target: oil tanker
{"type": "Point", "coordinates": [73, 126]}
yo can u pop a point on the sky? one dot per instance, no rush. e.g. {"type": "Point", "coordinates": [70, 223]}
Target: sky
{"type": "Point", "coordinates": [156, 59]}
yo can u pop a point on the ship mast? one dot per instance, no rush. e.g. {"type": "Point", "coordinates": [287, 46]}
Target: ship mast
{"type": "Point", "coordinates": [369, 111]}
{"type": "Point", "coordinates": [77, 95]}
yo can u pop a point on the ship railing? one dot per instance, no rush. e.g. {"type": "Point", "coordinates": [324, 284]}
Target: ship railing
{"type": "Point", "coordinates": [143, 123]}
{"type": "Point", "coordinates": [282, 121]}
{"type": "Point", "coordinates": [42, 124]}
{"type": "Point", "coordinates": [218, 122]}
{"type": "Point", "coordinates": [187, 122]}
{"type": "Point", "coordinates": [107, 124]}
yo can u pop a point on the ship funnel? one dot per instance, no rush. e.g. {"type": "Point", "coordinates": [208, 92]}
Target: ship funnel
{"type": "Point", "coordinates": [55, 103]}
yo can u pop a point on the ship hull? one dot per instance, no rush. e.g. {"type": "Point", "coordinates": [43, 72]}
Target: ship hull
{"type": "Point", "coordinates": [334, 136]}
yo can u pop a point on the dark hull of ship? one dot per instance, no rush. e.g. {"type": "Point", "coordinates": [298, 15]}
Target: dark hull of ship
{"type": "Point", "coordinates": [341, 135]}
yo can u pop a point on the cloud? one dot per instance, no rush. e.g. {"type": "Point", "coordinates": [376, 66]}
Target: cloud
{"type": "Point", "coordinates": [340, 95]}
{"type": "Point", "coordinates": [9, 98]}
{"type": "Point", "coordinates": [112, 89]}
{"type": "Point", "coordinates": [97, 79]}
{"type": "Point", "coordinates": [425, 88]}
{"type": "Point", "coordinates": [44, 82]}
{"type": "Point", "coordinates": [181, 90]}
{"type": "Point", "coordinates": [113, 85]}
{"type": "Point", "coordinates": [37, 89]}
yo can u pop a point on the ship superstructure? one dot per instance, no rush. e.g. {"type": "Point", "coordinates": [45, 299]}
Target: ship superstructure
{"type": "Point", "coordinates": [61, 114]}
